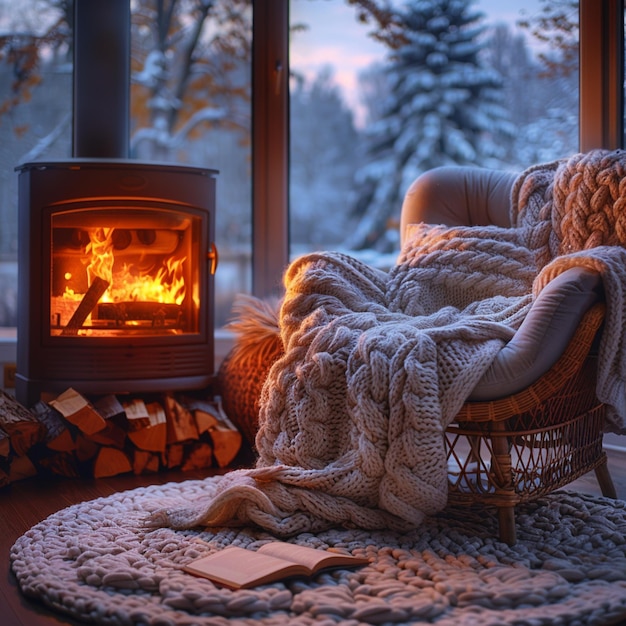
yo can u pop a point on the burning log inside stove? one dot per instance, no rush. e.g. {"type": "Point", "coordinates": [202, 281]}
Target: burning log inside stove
{"type": "Point", "coordinates": [86, 306]}
{"type": "Point", "coordinates": [155, 313]}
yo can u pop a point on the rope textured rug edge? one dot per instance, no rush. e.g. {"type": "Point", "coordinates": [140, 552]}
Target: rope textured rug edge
{"type": "Point", "coordinates": [95, 561]}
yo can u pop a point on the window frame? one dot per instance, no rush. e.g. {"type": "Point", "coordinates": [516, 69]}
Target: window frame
{"type": "Point", "coordinates": [601, 74]}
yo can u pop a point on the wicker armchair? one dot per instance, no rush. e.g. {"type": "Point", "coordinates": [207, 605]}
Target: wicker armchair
{"type": "Point", "coordinates": [517, 446]}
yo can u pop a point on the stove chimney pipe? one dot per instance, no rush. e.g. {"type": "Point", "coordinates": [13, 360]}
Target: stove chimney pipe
{"type": "Point", "coordinates": [101, 79]}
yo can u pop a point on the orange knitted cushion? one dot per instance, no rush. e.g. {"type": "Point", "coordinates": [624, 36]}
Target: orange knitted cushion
{"type": "Point", "coordinates": [243, 371]}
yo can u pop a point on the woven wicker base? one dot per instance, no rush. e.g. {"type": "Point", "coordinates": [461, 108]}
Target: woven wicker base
{"type": "Point", "coordinates": [514, 449]}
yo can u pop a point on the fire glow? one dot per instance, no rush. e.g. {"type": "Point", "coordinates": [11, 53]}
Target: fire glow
{"type": "Point", "coordinates": [129, 284]}
{"type": "Point", "coordinates": [127, 280]}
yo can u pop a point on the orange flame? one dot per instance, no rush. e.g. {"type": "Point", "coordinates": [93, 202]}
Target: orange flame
{"type": "Point", "coordinates": [167, 287]}
{"type": "Point", "coordinates": [125, 284]}
{"type": "Point", "coordinates": [101, 248]}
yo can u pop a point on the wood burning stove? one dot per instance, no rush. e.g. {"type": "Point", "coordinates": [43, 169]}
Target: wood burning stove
{"type": "Point", "coordinates": [116, 263]}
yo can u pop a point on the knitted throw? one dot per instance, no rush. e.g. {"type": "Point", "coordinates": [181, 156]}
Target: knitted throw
{"type": "Point", "coordinates": [377, 364]}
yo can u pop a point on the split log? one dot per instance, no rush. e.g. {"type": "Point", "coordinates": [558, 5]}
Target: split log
{"type": "Point", "coordinates": [199, 455]}
{"type": "Point", "coordinates": [63, 442]}
{"type": "Point", "coordinates": [181, 425]}
{"type": "Point", "coordinates": [86, 449]}
{"type": "Point", "coordinates": [77, 410]}
{"type": "Point", "coordinates": [109, 407]}
{"type": "Point", "coordinates": [153, 436]}
{"type": "Point", "coordinates": [137, 416]}
{"type": "Point", "coordinates": [21, 467]}
{"type": "Point", "coordinates": [145, 462]}
{"type": "Point", "coordinates": [111, 462]}
{"type": "Point", "coordinates": [60, 463]}
{"type": "Point", "coordinates": [211, 419]}
{"type": "Point", "coordinates": [86, 305]}
{"type": "Point", "coordinates": [5, 447]}
{"type": "Point", "coordinates": [164, 435]}
{"type": "Point", "coordinates": [58, 435]}
{"type": "Point", "coordinates": [173, 456]}
{"type": "Point", "coordinates": [19, 424]}
{"type": "Point", "coordinates": [111, 435]}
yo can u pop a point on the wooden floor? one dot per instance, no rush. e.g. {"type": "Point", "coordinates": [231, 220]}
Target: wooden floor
{"type": "Point", "coordinates": [27, 502]}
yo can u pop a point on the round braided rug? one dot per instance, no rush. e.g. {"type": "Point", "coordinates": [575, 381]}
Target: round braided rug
{"type": "Point", "coordinates": [96, 562]}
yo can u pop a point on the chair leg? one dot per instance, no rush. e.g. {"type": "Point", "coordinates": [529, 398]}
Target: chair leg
{"type": "Point", "coordinates": [501, 466]}
{"type": "Point", "coordinates": [605, 481]}
{"type": "Point", "coordinates": [506, 520]}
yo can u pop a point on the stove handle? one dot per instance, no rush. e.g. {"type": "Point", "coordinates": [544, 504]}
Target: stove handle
{"type": "Point", "coordinates": [213, 257]}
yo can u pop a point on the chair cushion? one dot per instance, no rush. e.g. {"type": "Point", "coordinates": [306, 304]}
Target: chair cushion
{"type": "Point", "coordinates": [543, 336]}
{"type": "Point", "coordinates": [459, 196]}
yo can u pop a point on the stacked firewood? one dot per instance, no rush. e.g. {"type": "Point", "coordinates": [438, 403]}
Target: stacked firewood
{"type": "Point", "coordinates": [73, 435]}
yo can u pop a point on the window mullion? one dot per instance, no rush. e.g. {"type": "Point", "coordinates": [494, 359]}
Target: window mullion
{"type": "Point", "coordinates": [270, 144]}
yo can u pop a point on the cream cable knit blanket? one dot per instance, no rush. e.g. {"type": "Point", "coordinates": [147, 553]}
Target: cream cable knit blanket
{"type": "Point", "coordinates": [377, 364]}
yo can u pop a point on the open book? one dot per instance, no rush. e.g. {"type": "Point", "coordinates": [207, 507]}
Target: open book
{"type": "Point", "coordinates": [239, 568]}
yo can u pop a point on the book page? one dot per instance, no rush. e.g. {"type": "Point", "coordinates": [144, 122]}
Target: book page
{"type": "Point", "coordinates": [312, 558]}
{"type": "Point", "coordinates": [240, 568]}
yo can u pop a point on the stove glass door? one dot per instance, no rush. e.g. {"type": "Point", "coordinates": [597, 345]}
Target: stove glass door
{"type": "Point", "coordinates": [124, 271]}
